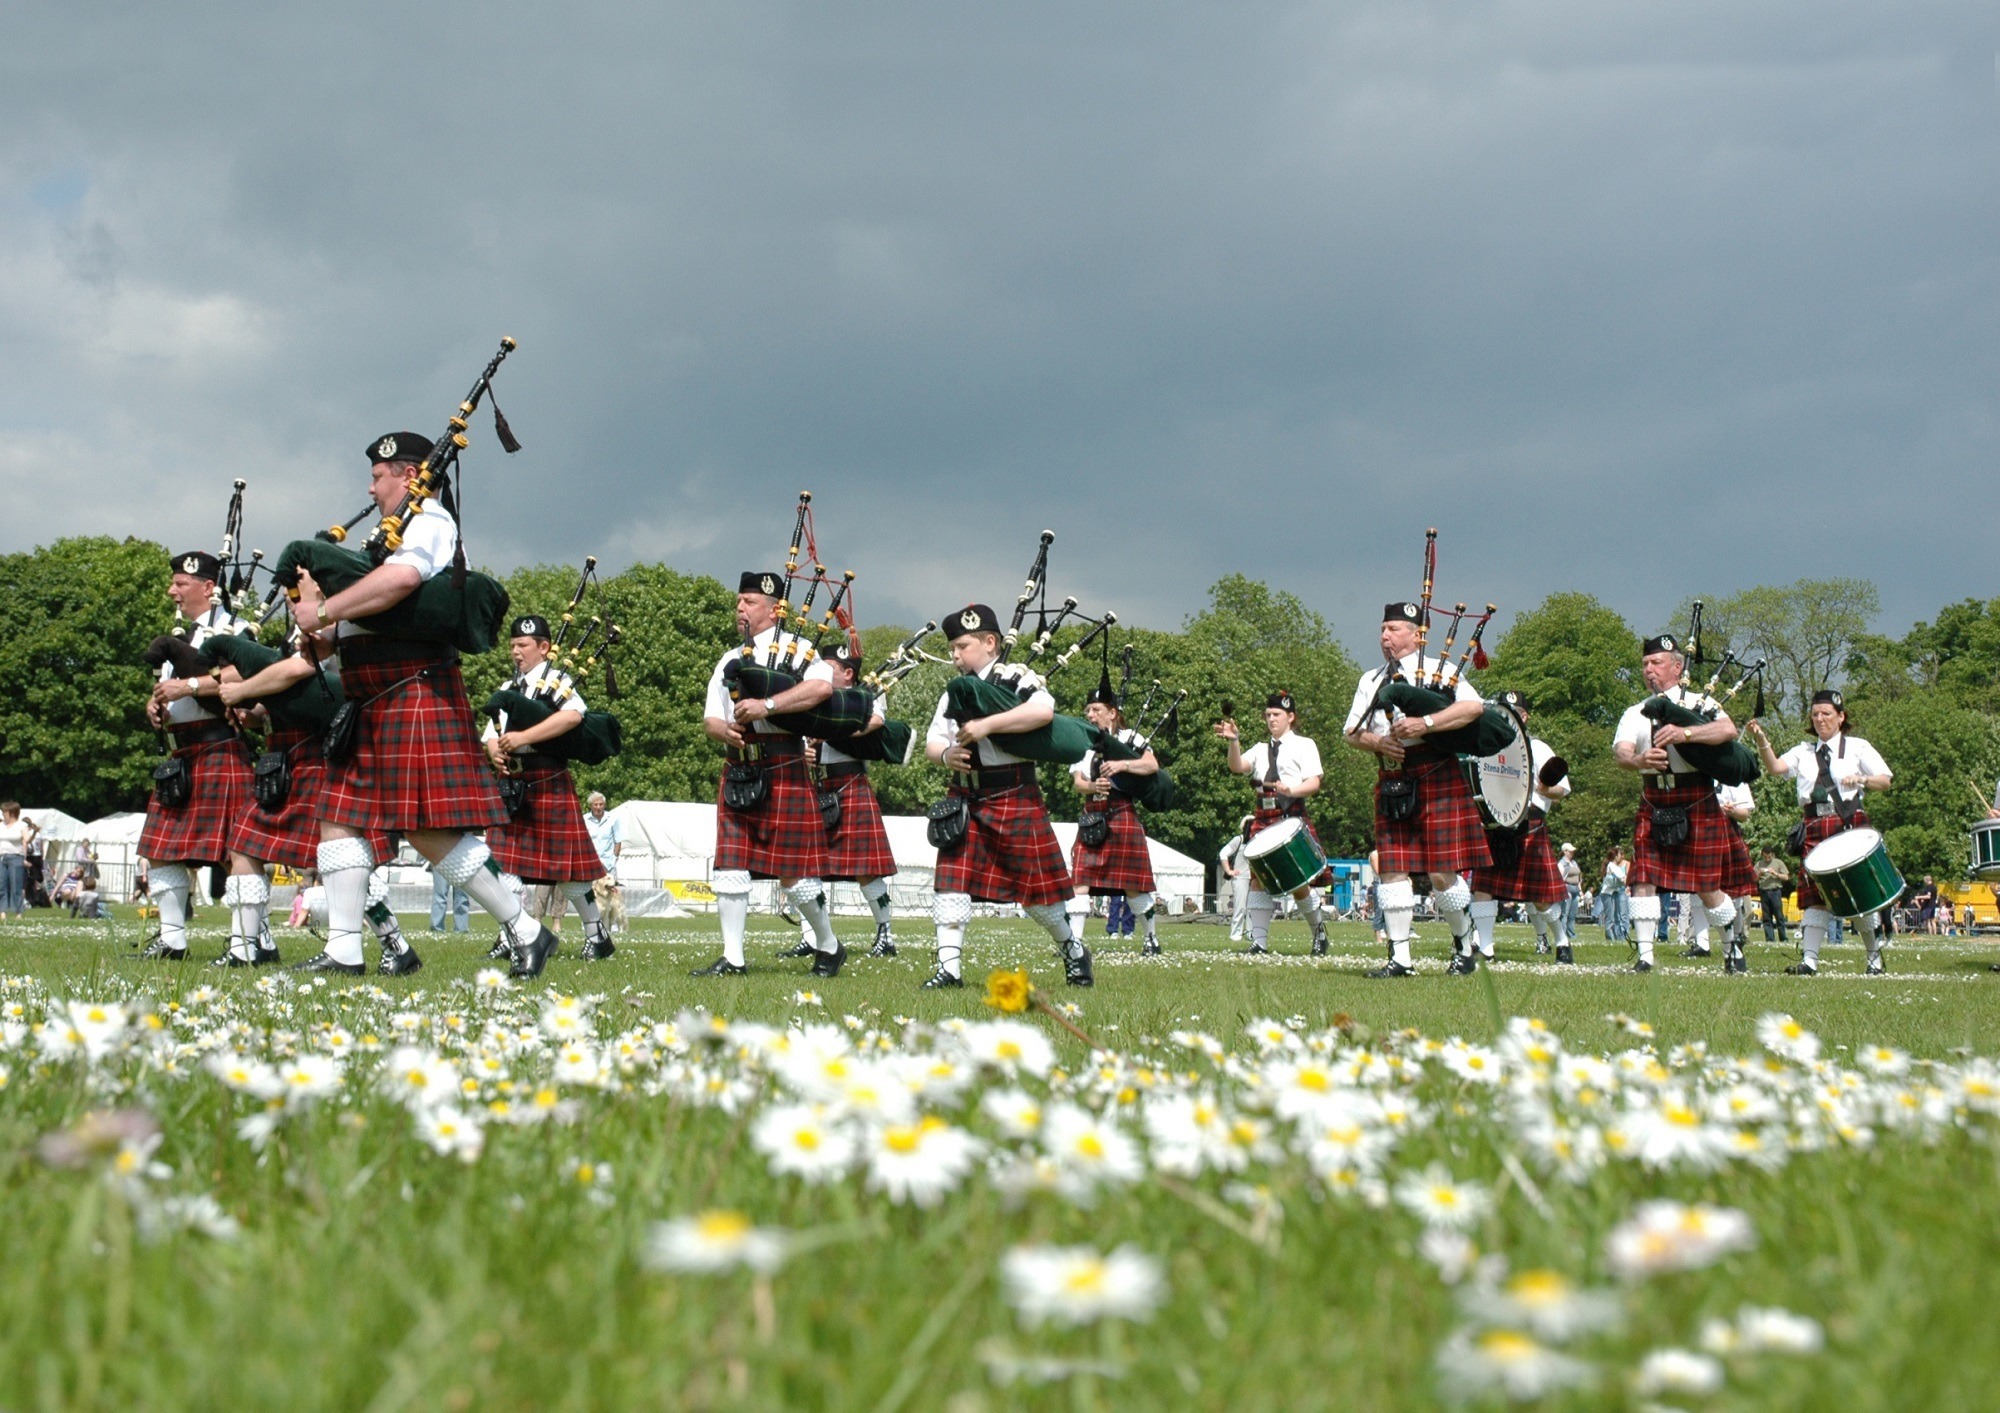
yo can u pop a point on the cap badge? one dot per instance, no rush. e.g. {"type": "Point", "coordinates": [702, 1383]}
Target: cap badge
{"type": "Point", "coordinates": [385, 449]}
{"type": "Point", "coordinates": [769, 584]}
{"type": "Point", "coordinates": [1667, 643]}
{"type": "Point", "coordinates": [191, 565]}
{"type": "Point", "coordinates": [968, 620]}
{"type": "Point", "coordinates": [1410, 609]}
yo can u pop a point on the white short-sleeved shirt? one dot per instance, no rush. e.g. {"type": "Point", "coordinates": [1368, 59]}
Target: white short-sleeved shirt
{"type": "Point", "coordinates": [1415, 667]}
{"type": "Point", "coordinates": [1232, 852]}
{"type": "Point", "coordinates": [186, 711]}
{"type": "Point", "coordinates": [986, 755]}
{"type": "Point", "coordinates": [1635, 728]}
{"type": "Point", "coordinates": [1734, 797]}
{"type": "Point", "coordinates": [429, 540]}
{"type": "Point", "coordinates": [543, 677]}
{"type": "Point", "coordinates": [1539, 755]}
{"type": "Point", "coordinates": [830, 754]}
{"type": "Point", "coordinates": [792, 650]}
{"type": "Point", "coordinates": [1847, 758]}
{"type": "Point", "coordinates": [1298, 759]}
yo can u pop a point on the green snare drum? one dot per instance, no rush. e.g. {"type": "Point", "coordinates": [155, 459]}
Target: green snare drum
{"type": "Point", "coordinates": [1986, 849]}
{"type": "Point", "coordinates": [1852, 871]}
{"type": "Point", "coordinates": [1284, 858]}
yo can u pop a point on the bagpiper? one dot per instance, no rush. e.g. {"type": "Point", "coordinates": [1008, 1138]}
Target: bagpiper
{"type": "Point", "coordinates": [857, 841]}
{"type": "Point", "coordinates": [1110, 856]}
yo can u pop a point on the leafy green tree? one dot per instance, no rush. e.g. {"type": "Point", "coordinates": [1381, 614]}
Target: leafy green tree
{"type": "Point", "coordinates": [1807, 631]}
{"type": "Point", "coordinates": [1945, 758]}
{"type": "Point", "coordinates": [74, 618]}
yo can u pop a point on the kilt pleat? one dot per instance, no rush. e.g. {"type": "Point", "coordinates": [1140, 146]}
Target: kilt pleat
{"type": "Point", "coordinates": [1714, 856]}
{"type": "Point", "coordinates": [1122, 863]}
{"type": "Point", "coordinates": [417, 762]}
{"type": "Point", "coordinates": [858, 847]}
{"type": "Point", "coordinates": [1009, 854]}
{"type": "Point", "coordinates": [1818, 831]}
{"type": "Point", "coordinates": [219, 793]}
{"type": "Point", "coordinates": [290, 836]}
{"type": "Point", "coordinates": [782, 838]}
{"type": "Point", "coordinates": [1447, 836]}
{"type": "Point", "coordinates": [548, 844]}
{"type": "Point", "coordinates": [1534, 877]}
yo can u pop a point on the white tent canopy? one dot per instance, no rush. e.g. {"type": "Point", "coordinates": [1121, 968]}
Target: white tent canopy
{"type": "Point", "coordinates": [55, 825]}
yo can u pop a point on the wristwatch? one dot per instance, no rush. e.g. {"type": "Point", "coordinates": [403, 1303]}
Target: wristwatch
{"type": "Point", "coordinates": [768, 708]}
{"type": "Point", "coordinates": [1427, 723]}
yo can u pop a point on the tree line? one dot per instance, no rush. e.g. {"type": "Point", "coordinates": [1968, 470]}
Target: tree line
{"type": "Point", "coordinates": [76, 615]}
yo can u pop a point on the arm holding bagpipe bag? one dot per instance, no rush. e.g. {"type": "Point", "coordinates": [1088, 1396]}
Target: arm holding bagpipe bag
{"type": "Point", "coordinates": [595, 739]}
{"type": "Point", "coordinates": [1731, 763]}
{"type": "Point", "coordinates": [1491, 733]}
{"type": "Point", "coordinates": [307, 705]}
{"type": "Point", "coordinates": [1064, 741]}
{"type": "Point", "coordinates": [469, 617]}
{"type": "Point", "coordinates": [845, 713]}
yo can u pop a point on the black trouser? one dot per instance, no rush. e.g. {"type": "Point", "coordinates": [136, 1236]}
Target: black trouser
{"type": "Point", "coordinates": [1774, 913]}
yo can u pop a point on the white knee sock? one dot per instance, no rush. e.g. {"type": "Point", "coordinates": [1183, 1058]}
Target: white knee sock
{"type": "Point", "coordinates": [1813, 928]}
{"type": "Point", "coordinates": [1645, 924]}
{"type": "Point", "coordinates": [1262, 908]}
{"type": "Point", "coordinates": [169, 884]}
{"type": "Point", "coordinates": [343, 867]}
{"type": "Point", "coordinates": [470, 866]}
{"type": "Point", "coordinates": [1078, 908]}
{"type": "Point", "coordinates": [1485, 912]}
{"type": "Point", "coordinates": [586, 908]}
{"type": "Point", "coordinates": [1054, 919]}
{"type": "Point", "coordinates": [809, 897]}
{"type": "Point", "coordinates": [381, 918]}
{"type": "Point", "coordinates": [1721, 917]}
{"type": "Point", "coordinates": [732, 909]}
{"type": "Point", "coordinates": [1873, 939]}
{"type": "Point", "coordinates": [1399, 911]}
{"type": "Point", "coordinates": [875, 893]}
{"type": "Point", "coordinates": [252, 900]}
{"type": "Point", "coordinates": [1315, 914]}
{"type": "Point", "coordinates": [1550, 918]}
{"type": "Point", "coordinates": [951, 912]}
{"type": "Point", "coordinates": [1454, 905]}
{"type": "Point", "coordinates": [1143, 907]}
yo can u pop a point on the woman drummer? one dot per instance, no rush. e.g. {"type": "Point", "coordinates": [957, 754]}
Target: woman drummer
{"type": "Point", "coordinates": [1287, 771]}
{"type": "Point", "coordinates": [1830, 773]}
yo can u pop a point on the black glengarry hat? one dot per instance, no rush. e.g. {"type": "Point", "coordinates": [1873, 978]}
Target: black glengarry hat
{"type": "Point", "coordinates": [761, 581]}
{"type": "Point", "coordinates": [1404, 612]}
{"type": "Point", "coordinates": [845, 655]}
{"type": "Point", "coordinates": [1283, 701]}
{"type": "Point", "coordinates": [1665, 643]}
{"type": "Point", "coordinates": [399, 446]}
{"type": "Point", "coordinates": [1104, 694]}
{"type": "Point", "coordinates": [1830, 696]}
{"type": "Point", "coordinates": [530, 625]}
{"type": "Point", "coordinates": [200, 563]}
{"type": "Point", "coordinates": [973, 618]}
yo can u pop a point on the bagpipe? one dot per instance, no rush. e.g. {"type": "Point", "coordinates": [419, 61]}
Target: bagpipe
{"type": "Point", "coordinates": [841, 717]}
{"type": "Point", "coordinates": [304, 706]}
{"type": "Point", "coordinates": [1733, 763]}
{"type": "Point", "coordinates": [1155, 791]}
{"type": "Point", "coordinates": [465, 608]}
{"type": "Point", "coordinates": [237, 585]}
{"type": "Point", "coordinates": [895, 743]}
{"type": "Point", "coordinates": [1066, 739]}
{"type": "Point", "coordinates": [1495, 729]}
{"type": "Point", "coordinates": [598, 736]}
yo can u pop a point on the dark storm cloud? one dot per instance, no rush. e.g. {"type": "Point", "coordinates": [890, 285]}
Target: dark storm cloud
{"type": "Point", "coordinates": [1631, 299]}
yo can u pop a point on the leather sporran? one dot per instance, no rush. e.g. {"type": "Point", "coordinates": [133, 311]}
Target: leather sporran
{"type": "Point", "coordinates": [1400, 801]}
{"type": "Point", "coordinates": [829, 808]}
{"type": "Point", "coordinates": [342, 734]}
{"type": "Point", "coordinates": [949, 819]}
{"type": "Point", "coordinates": [514, 795]}
{"type": "Point", "coordinates": [1795, 840]}
{"type": "Point", "coordinates": [172, 783]}
{"type": "Point", "coordinates": [744, 786]}
{"type": "Point", "coordinates": [1670, 826]}
{"type": "Point", "coordinates": [1093, 828]}
{"type": "Point", "coordinates": [1505, 846]}
{"type": "Point", "coordinates": [271, 780]}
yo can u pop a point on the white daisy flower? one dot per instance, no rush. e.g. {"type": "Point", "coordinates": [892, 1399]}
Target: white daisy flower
{"type": "Point", "coordinates": [1074, 1285]}
{"type": "Point", "coordinates": [919, 1162]}
{"type": "Point", "coordinates": [1544, 1302]}
{"type": "Point", "coordinates": [491, 979]}
{"type": "Point", "coordinates": [797, 1139]}
{"type": "Point", "coordinates": [1787, 1039]}
{"type": "Point", "coordinates": [1016, 1113]}
{"type": "Point", "coordinates": [1439, 1200]}
{"type": "Point", "coordinates": [1008, 1047]}
{"type": "Point", "coordinates": [309, 1077]}
{"type": "Point", "coordinates": [421, 1077]}
{"type": "Point", "coordinates": [1772, 1331]}
{"type": "Point", "coordinates": [1093, 1149]}
{"type": "Point", "coordinates": [450, 1131]}
{"type": "Point", "coordinates": [1518, 1366]}
{"type": "Point", "coordinates": [245, 1075]}
{"type": "Point", "coordinates": [715, 1241]}
{"type": "Point", "coordinates": [1668, 1236]}
{"type": "Point", "coordinates": [1677, 1371]}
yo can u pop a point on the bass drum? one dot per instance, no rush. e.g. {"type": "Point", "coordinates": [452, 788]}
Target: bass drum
{"type": "Point", "coordinates": [1503, 783]}
{"type": "Point", "coordinates": [1284, 858]}
{"type": "Point", "coordinates": [1986, 849]}
{"type": "Point", "coordinates": [1852, 871]}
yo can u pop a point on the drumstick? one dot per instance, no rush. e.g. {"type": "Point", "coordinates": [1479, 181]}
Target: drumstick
{"type": "Point", "coordinates": [1984, 802]}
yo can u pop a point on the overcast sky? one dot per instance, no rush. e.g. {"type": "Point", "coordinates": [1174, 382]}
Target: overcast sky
{"type": "Point", "coordinates": [1634, 298]}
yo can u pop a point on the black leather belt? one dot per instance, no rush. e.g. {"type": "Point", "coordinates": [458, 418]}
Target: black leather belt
{"type": "Point", "coordinates": [997, 777]}
{"type": "Point", "coordinates": [776, 748]}
{"type": "Point", "coordinates": [840, 770]}
{"type": "Point", "coordinates": [369, 648]}
{"type": "Point", "coordinates": [202, 733]}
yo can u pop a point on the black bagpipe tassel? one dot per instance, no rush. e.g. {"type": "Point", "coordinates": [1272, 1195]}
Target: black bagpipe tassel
{"type": "Point", "coordinates": [1757, 712]}
{"type": "Point", "coordinates": [501, 430]}
{"type": "Point", "coordinates": [457, 509]}
{"type": "Point", "coordinates": [610, 680]}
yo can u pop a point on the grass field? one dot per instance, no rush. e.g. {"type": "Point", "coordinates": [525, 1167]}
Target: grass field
{"type": "Point", "coordinates": [440, 1193]}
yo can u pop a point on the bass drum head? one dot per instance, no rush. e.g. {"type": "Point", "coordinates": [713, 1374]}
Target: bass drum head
{"type": "Point", "coordinates": [1270, 841]}
{"type": "Point", "coordinates": [1504, 782]}
{"type": "Point", "coordinates": [1839, 851]}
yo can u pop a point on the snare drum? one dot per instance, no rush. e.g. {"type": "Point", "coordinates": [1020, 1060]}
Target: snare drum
{"type": "Point", "coordinates": [1284, 858]}
{"type": "Point", "coordinates": [1853, 874]}
{"type": "Point", "coordinates": [1986, 849]}
{"type": "Point", "coordinates": [1503, 784]}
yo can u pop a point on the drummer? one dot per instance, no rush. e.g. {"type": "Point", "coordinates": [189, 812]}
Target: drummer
{"type": "Point", "coordinates": [1830, 773]}
{"type": "Point", "coordinates": [1532, 878]}
{"type": "Point", "coordinates": [1288, 772]}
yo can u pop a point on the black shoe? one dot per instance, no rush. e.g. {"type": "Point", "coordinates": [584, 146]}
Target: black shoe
{"type": "Point", "coordinates": [721, 966]}
{"type": "Point", "coordinates": [232, 961]}
{"type": "Point", "coordinates": [1255, 949]}
{"type": "Point", "coordinates": [161, 952]}
{"type": "Point", "coordinates": [1319, 941]}
{"type": "Point", "coordinates": [885, 945]}
{"type": "Point", "coordinates": [399, 963]}
{"type": "Point", "coordinates": [801, 948]}
{"type": "Point", "coordinates": [1801, 969]}
{"type": "Point", "coordinates": [502, 950]}
{"type": "Point", "coordinates": [1388, 969]}
{"type": "Point", "coordinates": [1076, 970]}
{"type": "Point", "coordinates": [530, 960]}
{"type": "Point", "coordinates": [1642, 965]}
{"type": "Point", "coordinates": [1461, 965]}
{"type": "Point", "coordinates": [827, 964]}
{"type": "Point", "coordinates": [325, 963]}
{"type": "Point", "coordinates": [267, 957]}
{"type": "Point", "coordinates": [942, 980]}
{"type": "Point", "coordinates": [1565, 957]}
{"type": "Point", "coordinates": [1876, 967]}
{"type": "Point", "coordinates": [1694, 951]}
{"type": "Point", "coordinates": [596, 949]}
{"type": "Point", "coordinates": [1151, 949]}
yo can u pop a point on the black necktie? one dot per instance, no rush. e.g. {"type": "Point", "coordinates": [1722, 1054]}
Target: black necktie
{"type": "Point", "coordinates": [1271, 770]}
{"type": "Point", "coordinates": [1823, 787]}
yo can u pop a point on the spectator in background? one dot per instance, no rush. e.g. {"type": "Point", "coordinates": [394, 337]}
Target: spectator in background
{"type": "Point", "coordinates": [1774, 879]}
{"type": "Point", "coordinates": [1614, 903]}
{"type": "Point", "coordinates": [1946, 921]}
{"type": "Point", "coordinates": [447, 899]}
{"type": "Point", "coordinates": [17, 834]}
{"type": "Point", "coordinates": [1236, 874]}
{"type": "Point", "coordinates": [1926, 900]}
{"type": "Point", "coordinates": [607, 835]}
{"type": "Point", "coordinates": [1572, 877]}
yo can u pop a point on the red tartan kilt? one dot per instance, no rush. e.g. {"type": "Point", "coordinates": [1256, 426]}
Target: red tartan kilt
{"type": "Point", "coordinates": [1009, 854]}
{"type": "Point", "coordinates": [1534, 878]}
{"type": "Point", "coordinates": [782, 838]}
{"type": "Point", "coordinates": [219, 793]}
{"type": "Point", "coordinates": [1818, 831]}
{"type": "Point", "coordinates": [1447, 836]}
{"type": "Point", "coordinates": [291, 836]}
{"type": "Point", "coordinates": [1714, 857]}
{"type": "Point", "coordinates": [1122, 863]}
{"type": "Point", "coordinates": [549, 843]}
{"type": "Point", "coordinates": [858, 847]}
{"type": "Point", "coordinates": [417, 761]}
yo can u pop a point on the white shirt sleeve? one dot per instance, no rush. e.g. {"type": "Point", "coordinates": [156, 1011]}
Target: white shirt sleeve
{"type": "Point", "coordinates": [429, 541]}
{"type": "Point", "coordinates": [1871, 762]}
{"type": "Point", "coordinates": [1308, 757]}
{"type": "Point", "coordinates": [1634, 729]}
{"type": "Point", "coordinates": [943, 731]}
{"type": "Point", "coordinates": [719, 707]}
{"type": "Point", "coordinates": [1364, 694]}
{"type": "Point", "coordinates": [1464, 691]}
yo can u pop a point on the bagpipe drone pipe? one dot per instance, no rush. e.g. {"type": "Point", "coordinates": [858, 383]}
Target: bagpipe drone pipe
{"type": "Point", "coordinates": [468, 616]}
